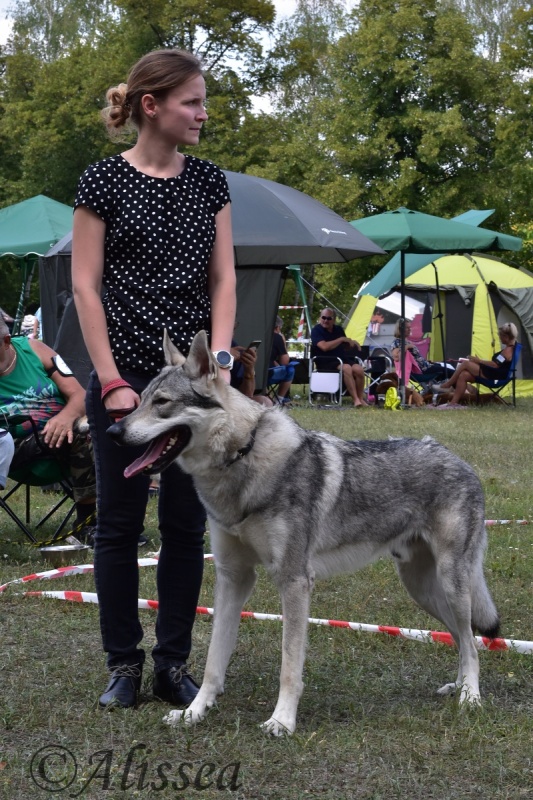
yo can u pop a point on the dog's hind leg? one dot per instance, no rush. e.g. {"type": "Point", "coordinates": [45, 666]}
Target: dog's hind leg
{"type": "Point", "coordinates": [295, 598]}
{"type": "Point", "coordinates": [235, 579]}
{"type": "Point", "coordinates": [442, 592]}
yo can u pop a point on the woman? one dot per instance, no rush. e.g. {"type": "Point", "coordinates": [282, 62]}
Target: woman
{"type": "Point", "coordinates": [495, 369]}
{"type": "Point", "coordinates": [153, 226]}
{"type": "Point", "coordinates": [429, 369]}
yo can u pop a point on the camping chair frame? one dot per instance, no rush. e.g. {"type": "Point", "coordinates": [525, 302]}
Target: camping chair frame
{"type": "Point", "coordinates": [496, 386]}
{"type": "Point", "coordinates": [272, 386]}
{"type": "Point", "coordinates": [23, 478]}
{"type": "Point", "coordinates": [376, 366]}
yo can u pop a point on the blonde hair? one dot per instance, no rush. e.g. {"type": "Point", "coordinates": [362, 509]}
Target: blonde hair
{"type": "Point", "coordinates": [156, 73]}
{"type": "Point", "coordinates": [510, 329]}
{"type": "Point", "coordinates": [398, 327]}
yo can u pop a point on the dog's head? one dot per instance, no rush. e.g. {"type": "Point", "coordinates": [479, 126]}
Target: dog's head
{"type": "Point", "coordinates": [187, 399]}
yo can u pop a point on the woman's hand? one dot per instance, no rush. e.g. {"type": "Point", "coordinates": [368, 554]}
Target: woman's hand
{"type": "Point", "coordinates": [121, 401]}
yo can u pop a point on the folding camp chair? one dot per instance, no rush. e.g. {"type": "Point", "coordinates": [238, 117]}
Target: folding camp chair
{"type": "Point", "coordinates": [273, 383]}
{"type": "Point", "coordinates": [376, 366]}
{"type": "Point", "coordinates": [44, 470]}
{"type": "Point", "coordinates": [325, 383]}
{"type": "Point", "coordinates": [496, 386]}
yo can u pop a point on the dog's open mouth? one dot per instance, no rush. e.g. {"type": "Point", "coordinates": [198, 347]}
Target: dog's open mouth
{"type": "Point", "coordinates": [160, 453]}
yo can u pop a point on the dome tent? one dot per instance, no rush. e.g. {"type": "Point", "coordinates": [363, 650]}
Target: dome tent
{"type": "Point", "coordinates": [477, 294]}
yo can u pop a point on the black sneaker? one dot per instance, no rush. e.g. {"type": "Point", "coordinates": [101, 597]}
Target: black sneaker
{"type": "Point", "coordinates": [175, 685]}
{"type": "Point", "coordinates": [142, 540]}
{"type": "Point", "coordinates": [123, 688]}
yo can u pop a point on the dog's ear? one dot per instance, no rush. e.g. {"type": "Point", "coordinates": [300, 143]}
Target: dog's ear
{"type": "Point", "coordinates": [173, 357]}
{"type": "Point", "coordinates": [200, 361]}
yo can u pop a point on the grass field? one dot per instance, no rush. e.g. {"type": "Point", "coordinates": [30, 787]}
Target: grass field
{"type": "Point", "coordinates": [370, 723]}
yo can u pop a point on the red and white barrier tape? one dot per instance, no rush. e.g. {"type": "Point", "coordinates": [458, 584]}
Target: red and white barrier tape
{"type": "Point", "coordinates": [507, 522]}
{"type": "Point", "coordinates": [79, 569]}
{"type": "Point", "coordinates": [301, 326]}
{"type": "Point", "coordinates": [482, 642]}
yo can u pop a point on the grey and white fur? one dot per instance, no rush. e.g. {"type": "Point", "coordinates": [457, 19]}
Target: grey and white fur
{"type": "Point", "coordinates": [303, 504]}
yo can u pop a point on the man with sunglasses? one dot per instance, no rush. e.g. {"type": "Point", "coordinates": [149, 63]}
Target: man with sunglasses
{"type": "Point", "coordinates": [328, 343]}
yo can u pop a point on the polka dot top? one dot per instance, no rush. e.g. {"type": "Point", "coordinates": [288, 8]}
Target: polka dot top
{"type": "Point", "coordinates": [159, 237]}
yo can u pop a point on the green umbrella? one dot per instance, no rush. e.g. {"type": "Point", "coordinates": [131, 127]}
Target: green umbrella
{"type": "Point", "coordinates": [27, 231]}
{"type": "Point", "coordinates": [407, 231]}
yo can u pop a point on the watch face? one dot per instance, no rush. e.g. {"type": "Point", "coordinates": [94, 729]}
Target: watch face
{"type": "Point", "coordinates": [223, 358]}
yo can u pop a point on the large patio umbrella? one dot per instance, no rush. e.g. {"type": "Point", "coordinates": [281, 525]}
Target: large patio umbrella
{"type": "Point", "coordinates": [27, 231]}
{"type": "Point", "coordinates": [407, 231]}
{"type": "Point", "coordinates": [274, 224]}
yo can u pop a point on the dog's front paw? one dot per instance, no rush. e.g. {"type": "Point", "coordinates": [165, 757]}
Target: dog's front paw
{"type": "Point", "coordinates": [276, 728]}
{"type": "Point", "coordinates": [448, 688]}
{"type": "Point", "coordinates": [187, 716]}
{"type": "Point", "coordinates": [174, 718]}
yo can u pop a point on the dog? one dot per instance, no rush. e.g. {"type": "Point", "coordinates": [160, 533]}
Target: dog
{"type": "Point", "coordinates": [301, 503]}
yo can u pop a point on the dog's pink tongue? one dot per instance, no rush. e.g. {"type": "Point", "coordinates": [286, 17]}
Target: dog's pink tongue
{"type": "Point", "coordinates": [148, 458]}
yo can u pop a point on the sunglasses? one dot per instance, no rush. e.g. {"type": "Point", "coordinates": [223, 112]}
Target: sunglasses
{"type": "Point", "coordinates": [328, 318]}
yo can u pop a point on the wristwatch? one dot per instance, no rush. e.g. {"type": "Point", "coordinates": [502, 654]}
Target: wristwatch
{"type": "Point", "coordinates": [223, 358]}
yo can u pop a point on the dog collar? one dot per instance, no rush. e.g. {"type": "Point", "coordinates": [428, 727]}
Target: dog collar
{"type": "Point", "coordinates": [244, 450]}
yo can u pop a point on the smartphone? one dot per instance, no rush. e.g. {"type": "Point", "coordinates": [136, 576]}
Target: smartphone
{"type": "Point", "coordinates": [255, 343]}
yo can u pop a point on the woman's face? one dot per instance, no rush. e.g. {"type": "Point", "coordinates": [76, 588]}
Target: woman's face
{"type": "Point", "coordinates": [506, 338]}
{"type": "Point", "coordinates": [182, 113]}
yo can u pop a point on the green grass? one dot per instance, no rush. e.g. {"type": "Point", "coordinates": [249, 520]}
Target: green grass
{"type": "Point", "coordinates": [370, 724]}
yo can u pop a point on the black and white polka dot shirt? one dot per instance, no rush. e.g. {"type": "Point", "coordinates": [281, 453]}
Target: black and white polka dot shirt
{"type": "Point", "coordinates": [159, 237]}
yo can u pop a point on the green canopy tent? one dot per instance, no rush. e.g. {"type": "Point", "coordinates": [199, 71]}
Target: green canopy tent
{"type": "Point", "coordinates": [27, 231]}
{"type": "Point", "coordinates": [407, 231]}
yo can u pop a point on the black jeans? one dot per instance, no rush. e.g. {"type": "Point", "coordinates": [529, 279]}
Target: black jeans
{"type": "Point", "coordinates": [121, 510]}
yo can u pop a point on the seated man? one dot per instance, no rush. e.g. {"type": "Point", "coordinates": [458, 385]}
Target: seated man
{"type": "Point", "coordinates": [35, 382]}
{"type": "Point", "coordinates": [281, 371]}
{"type": "Point", "coordinates": [329, 342]}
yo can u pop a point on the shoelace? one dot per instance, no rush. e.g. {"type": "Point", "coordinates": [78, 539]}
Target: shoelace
{"type": "Point", "coordinates": [177, 673]}
{"type": "Point", "coordinates": [126, 671]}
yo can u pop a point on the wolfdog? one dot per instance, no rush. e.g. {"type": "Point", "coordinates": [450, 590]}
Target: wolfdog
{"type": "Point", "coordinates": [302, 504]}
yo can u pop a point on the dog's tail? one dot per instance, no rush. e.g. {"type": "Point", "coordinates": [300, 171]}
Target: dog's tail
{"type": "Point", "coordinates": [485, 618]}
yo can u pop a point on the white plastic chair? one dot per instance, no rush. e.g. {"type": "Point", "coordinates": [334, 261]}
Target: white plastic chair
{"type": "Point", "coordinates": [325, 383]}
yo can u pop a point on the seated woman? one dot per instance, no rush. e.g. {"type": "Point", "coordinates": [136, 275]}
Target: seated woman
{"type": "Point", "coordinates": [472, 367]}
{"type": "Point", "coordinates": [429, 369]}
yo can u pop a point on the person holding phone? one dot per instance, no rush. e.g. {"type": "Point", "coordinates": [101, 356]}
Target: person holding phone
{"type": "Point", "coordinates": [280, 369]}
{"type": "Point", "coordinates": [243, 371]}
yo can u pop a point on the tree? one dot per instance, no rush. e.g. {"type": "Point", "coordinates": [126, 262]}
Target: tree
{"type": "Point", "coordinates": [513, 162]}
{"type": "Point", "coordinates": [492, 20]}
{"type": "Point", "coordinates": [414, 117]}
{"type": "Point", "coordinates": [50, 28]}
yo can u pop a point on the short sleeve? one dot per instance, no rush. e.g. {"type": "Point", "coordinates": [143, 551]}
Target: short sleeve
{"type": "Point", "coordinates": [95, 190]}
{"type": "Point", "coordinates": [220, 193]}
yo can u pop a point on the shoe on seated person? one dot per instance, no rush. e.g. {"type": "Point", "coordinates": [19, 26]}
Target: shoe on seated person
{"type": "Point", "coordinates": [175, 685]}
{"type": "Point", "coordinates": [123, 688]}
